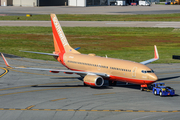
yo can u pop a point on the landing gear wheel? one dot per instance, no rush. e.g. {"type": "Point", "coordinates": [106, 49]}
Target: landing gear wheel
{"type": "Point", "coordinates": [142, 89]}
{"type": "Point", "coordinates": [112, 83]}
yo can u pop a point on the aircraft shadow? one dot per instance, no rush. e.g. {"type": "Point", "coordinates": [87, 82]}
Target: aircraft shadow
{"type": "Point", "coordinates": [168, 78]}
{"type": "Point", "coordinates": [79, 78]}
{"type": "Point", "coordinates": [11, 56]}
{"type": "Point", "coordinates": [176, 95]}
{"type": "Point", "coordinates": [130, 86]}
{"type": "Point", "coordinates": [103, 87]}
{"type": "Point", "coordinates": [59, 86]}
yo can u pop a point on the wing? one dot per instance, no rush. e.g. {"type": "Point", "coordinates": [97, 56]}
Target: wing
{"type": "Point", "coordinates": [55, 70]}
{"type": "Point", "coordinates": [156, 57]}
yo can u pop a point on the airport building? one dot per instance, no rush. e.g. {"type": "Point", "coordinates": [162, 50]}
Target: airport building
{"type": "Point", "coordinates": [33, 3]}
{"type": "Point", "coordinates": [6, 2]}
{"type": "Point", "coordinates": [80, 3]}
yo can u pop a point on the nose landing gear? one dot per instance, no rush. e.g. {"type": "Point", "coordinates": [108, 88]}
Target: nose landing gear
{"type": "Point", "coordinates": [144, 88]}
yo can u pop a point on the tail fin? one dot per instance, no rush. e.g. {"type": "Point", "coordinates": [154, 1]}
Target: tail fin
{"type": "Point", "coordinates": [61, 44]}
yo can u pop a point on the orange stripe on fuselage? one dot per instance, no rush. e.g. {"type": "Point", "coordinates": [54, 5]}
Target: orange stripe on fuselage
{"type": "Point", "coordinates": [130, 80]}
{"type": "Point", "coordinates": [123, 79]}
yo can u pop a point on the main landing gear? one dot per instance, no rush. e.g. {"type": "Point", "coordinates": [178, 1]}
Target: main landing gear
{"type": "Point", "coordinates": [112, 83]}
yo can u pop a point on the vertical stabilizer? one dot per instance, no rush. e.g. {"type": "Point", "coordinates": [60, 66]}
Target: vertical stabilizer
{"type": "Point", "coordinates": [61, 44]}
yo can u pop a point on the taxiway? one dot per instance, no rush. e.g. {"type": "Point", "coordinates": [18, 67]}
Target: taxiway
{"type": "Point", "coordinates": [94, 24]}
{"type": "Point", "coordinates": [26, 94]}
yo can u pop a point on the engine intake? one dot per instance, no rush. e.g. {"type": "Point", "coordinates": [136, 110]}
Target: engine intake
{"type": "Point", "coordinates": [93, 80]}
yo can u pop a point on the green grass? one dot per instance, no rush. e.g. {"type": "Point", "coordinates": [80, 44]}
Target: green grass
{"type": "Point", "coordinates": [92, 17]}
{"type": "Point", "coordinates": [134, 44]}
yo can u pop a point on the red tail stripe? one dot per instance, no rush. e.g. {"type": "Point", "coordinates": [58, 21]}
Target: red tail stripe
{"type": "Point", "coordinates": [57, 38]}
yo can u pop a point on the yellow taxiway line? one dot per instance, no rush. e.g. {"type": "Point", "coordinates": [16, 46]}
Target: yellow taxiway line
{"type": "Point", "coordinates": [30, 109]}
{"type": "Point", "coordinates": [6, 71]}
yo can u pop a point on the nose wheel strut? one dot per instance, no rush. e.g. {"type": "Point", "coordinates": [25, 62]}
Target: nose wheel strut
{"type": "Point", "coordinates": [144, 88]}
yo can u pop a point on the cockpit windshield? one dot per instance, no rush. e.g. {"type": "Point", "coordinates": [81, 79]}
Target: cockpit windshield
{"type": "Point", "coordinates": [147, 71]}
{"type": "Point", "coordinates": [161, 84]}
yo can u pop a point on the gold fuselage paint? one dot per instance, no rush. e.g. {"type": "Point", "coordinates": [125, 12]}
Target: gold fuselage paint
{"type": "Point", "coordinates": [120, 69]}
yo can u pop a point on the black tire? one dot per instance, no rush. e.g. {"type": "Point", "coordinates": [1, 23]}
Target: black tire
{"type": "Point", "coordinates": [142, 89]}
{"type": "Point", "coordinates": [112, 83]}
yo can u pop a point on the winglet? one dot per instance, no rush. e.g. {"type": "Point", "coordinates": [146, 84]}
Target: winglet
{"type": "Point", "coordinates": [7, 64]}
{"type": "Point", "coordinates": [156, 57]}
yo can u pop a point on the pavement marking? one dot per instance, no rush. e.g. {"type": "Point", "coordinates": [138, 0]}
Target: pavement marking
{"type": "Point", "coordinates": [81, 110]}
{"type": "Point", "coordinates": [104, 93]}
{"type": "Point", "coordinates": [28, 108]}
{"type": "Point", "coordinates": [16, 87]}
{"type": "Point", "coordinates": [58, 99]}
{"type": "Point", "coordinates": [6, 71]}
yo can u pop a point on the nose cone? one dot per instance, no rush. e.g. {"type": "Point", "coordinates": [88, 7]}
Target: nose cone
{"type": "Point", "coordinates": [153, 77]}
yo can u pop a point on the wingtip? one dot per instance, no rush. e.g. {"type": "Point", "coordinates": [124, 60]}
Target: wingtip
{"type": "Point", "coordinates": [7, 64]}
{"type": "Point", "coordinates": [156, 55]}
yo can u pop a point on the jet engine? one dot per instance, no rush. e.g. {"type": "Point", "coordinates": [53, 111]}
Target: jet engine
{"type": "Point", "coordinates": [93, 80]}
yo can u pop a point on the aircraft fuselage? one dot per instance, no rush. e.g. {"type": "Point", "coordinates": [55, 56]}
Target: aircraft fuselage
{"type": "Point", "coordinates": [118, 69]}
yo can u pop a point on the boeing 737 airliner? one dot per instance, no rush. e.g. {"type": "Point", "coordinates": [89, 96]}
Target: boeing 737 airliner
{"type": "Point", "coordinates": [95, 69]}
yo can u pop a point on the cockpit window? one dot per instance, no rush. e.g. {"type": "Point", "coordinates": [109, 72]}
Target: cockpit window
{"type": "Point", "coordinates": [147, 71]}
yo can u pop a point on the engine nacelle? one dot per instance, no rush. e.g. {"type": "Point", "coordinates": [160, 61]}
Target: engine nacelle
{"type": "Point", "coordinates": [93, 80]}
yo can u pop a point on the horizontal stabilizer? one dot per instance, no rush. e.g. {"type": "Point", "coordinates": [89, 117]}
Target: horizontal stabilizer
{"type": "Point", "coordinates": [77, 48]}
{"type": "Point", "coordinates": [41, 53]}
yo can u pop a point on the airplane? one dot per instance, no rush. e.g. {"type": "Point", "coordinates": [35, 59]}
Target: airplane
{"type": "Point", "coordinates": [95, 69]}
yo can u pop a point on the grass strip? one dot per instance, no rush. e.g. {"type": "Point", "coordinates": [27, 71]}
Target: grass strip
{"type": "Point", "coordinates": [134, 44]}
{"type": "Point", "coordinates": [94, 17]}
